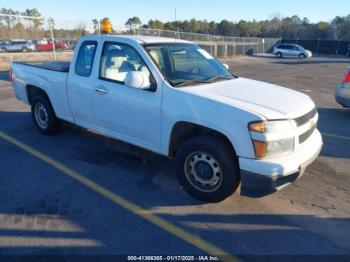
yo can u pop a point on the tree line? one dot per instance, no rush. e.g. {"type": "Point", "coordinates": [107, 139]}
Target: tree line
{"type": "Point", "coordinates": [292, 27]}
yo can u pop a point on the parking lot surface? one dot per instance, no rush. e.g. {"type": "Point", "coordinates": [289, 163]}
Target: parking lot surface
{"type": "Point", "coordinates": [45, 211]}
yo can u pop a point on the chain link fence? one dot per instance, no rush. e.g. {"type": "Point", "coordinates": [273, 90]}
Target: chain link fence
{"type": "Point", "coordinates": [218, 46]}
{"type": "Point", "coordinates": [56, 38]}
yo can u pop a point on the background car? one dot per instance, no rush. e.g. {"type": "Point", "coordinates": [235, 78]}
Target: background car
{"type": "Point", "coordinates": [342, 94]}
{"type": "Point", "coordinates": [291, 50]}
{"type": "Point", "coordinates": [3, 43]}
{"type": "Point", "coordinates": [19, 46]}
{"type": "Point", "coordinates": [71, 44]}
{"type": "Point", "coordinates": [60, 46]}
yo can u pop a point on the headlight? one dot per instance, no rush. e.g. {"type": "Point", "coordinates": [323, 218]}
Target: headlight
{"type": "Point", "coordinates": [271, 126]}
{"type": "Point", "coordinates": [265, 149]}
{"type": "Point", "coordinates": [273, 148]}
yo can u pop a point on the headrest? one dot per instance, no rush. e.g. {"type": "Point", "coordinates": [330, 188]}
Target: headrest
{"type": "Point", "coordinates": [116, 53]}
{"type": "Point", "coordinates": [154, 55]}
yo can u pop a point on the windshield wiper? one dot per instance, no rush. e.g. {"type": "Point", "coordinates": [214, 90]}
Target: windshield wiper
{"type": "Point", "coordinates": [210, 80]}
{"type": "Point", "coordinates": [214, 78]}
{"type": "Point", "coordinates": [190, 82]}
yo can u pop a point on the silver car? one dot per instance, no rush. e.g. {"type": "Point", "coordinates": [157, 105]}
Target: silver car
{"type": "Point", "coordinates": [291, 50]}
{"type": "Point", "coordinates": [342, 94]}
{"type": "Point", "coordinates": [19, 46]}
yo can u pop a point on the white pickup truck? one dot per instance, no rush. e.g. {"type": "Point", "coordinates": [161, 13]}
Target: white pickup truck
{"type": "Point", "coordinates": [173, 98]}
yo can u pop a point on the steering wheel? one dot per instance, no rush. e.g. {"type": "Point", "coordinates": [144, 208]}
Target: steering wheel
{"type": "Point", "coordinates": [195, 70]}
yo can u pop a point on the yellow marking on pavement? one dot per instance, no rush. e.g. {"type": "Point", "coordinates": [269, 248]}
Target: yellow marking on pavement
{"type": "Point", "coordinates": [336, 136]}
{"type": "Point", "coordinates": [144, 213]}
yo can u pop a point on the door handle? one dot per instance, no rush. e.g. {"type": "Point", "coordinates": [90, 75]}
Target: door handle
{"type": "Point", "coordinates": [101, 90]}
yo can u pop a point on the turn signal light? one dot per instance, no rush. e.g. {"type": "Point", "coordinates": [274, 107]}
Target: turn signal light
{"type": "Point", "coordinates": [260, 148]}
{"type": "Point", "coordinates": [257, 127]}
{"type": "Point", "coordinates": [346, 78]}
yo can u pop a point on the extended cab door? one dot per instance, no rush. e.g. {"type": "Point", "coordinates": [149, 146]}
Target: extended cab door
{"type": "Point", "coordinates": [80, 83]}
{"type": "Point", "coordinates": [130, 114]}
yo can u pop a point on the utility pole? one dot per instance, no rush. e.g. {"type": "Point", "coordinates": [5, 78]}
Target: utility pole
{"type": "Point", "coordinates": [177, 28]}
{"type": "Point", "coordinates": [52, 39]}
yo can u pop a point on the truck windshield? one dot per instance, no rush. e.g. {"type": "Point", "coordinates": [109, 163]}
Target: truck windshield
{"type": "Point", "coordinates": [187, 64]}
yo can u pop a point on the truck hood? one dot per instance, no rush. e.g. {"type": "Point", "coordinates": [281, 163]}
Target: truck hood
{"type": "Point", "coordinates": [267, 100]}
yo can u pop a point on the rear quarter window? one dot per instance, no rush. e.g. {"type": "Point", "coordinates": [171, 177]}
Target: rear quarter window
{"type": "Point", "coordinates": [85, 58]}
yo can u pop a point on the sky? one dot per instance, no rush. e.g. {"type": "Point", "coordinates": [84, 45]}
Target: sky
{"type": "Point", "coordinates": [217, 10]}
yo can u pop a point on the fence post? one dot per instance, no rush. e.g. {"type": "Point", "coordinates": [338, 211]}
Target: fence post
{"type": "Point", "coordinates": [234, 47]}
{"type": "Point", "coordinates": [337, 51]}
{"type": "Point", "coordinates": [53, 40]}
{"type": "Point", "coordinates": [243, 46]}
{"type": "Point", "coordinates": [263, 45]}
{"type": "Point", "coordinates": [318, 44]}
{"type": "Point", "coordinates": [224, 47]}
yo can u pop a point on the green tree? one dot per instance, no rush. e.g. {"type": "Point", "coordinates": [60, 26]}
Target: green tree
{"type": "Point", "coordinates": [8, 20]}
{"type": "Point", "coordinates": [155, 24]}
{"type": "Point", "coordinates": [34, 13]}
{"type": "Point", "coordinates": [133, 22]}
{"type": "Point", "coordinates": [95, 25]}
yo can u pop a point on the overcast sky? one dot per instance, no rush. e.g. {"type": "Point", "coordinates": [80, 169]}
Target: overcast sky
{"type": "Point", "coordinates": [235, 10]}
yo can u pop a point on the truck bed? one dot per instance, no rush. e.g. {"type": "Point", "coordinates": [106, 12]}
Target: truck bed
{"type": "Point", "coordinates": [60, 66]}
{"type": "Point", "coordinates": [50, 76]}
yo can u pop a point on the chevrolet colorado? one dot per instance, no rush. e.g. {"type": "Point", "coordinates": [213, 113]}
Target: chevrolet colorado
{"type": "Point", "coordinates": [172, 97]}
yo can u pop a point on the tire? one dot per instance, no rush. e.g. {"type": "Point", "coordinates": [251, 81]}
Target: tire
{"type": "Point", "coordinates": [279, 54]}
{"type": "Point", "coordinates": [44, 116]}
{"type": "Point", "coordinates": [215, 154]}
{"type": "Point", "coordinates": [302, 56]}
{"type": "Point", "coordinates": [59, 49]}
{"type": "Point", "coordinates": [25, 50]}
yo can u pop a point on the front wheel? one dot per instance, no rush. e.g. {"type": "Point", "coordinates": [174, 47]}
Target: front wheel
{"type": "Point", "coordinates": [25, 50]}
{"type": "Point", "coordinates": [302, 56]}
{"type": "Point", "coordinates": [43, 115]}
{"type": "Point", "coordinates": [208, 168]}
{"type": "Point", "coordinates": [279, 55]}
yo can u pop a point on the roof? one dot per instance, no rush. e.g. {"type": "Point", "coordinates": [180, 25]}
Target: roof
{"type": "Point", "coordinates": [289, 44]}
{"type": "Point", "coordinates": [151, 39]}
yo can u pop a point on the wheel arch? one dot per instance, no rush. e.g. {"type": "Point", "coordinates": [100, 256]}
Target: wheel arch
{"type": "Point", "coordinates": [33, 90]}
{"type": "Point", "coordinates": [183, 131]}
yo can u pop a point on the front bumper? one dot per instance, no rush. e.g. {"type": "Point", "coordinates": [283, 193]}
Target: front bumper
{"type": "Point", "coordinates": [273, 174]}
{"type": "Point", "coordinates": [308, 54]}
{"type": "Point", "coordinates": [342, 96]}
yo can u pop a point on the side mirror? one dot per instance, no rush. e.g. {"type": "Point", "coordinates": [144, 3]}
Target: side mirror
{"type": "Point", "coordinates": [137, 79]}
{"type": "Point", "coordinates": [226, 66]}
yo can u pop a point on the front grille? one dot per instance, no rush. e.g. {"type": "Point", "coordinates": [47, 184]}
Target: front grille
{"type": "Point", "coordinates": [303, 137]}
{"type": "Point", "coordinates": [302, 120]}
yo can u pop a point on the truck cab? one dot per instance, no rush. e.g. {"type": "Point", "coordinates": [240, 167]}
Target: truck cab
{"type": "Point", "coordinates": [172, 97]}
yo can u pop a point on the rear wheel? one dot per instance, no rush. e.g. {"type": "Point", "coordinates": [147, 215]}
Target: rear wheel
{"type": "Point", "coordinates": [25, 50]}
{"type": "Point", "coordinates": [279, 54]}
{"type": "Point", "coordinates": [207, 168]}
{"type": "Point", "coordinates": [59, 49]}
{"type": "Point", "coordinates": [43, 115]}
